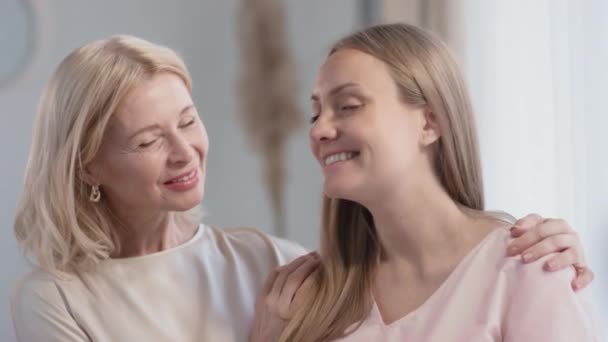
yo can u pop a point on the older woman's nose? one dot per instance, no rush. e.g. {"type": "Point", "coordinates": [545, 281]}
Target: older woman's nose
{"type": "Point", "coordinates": [181, 151]}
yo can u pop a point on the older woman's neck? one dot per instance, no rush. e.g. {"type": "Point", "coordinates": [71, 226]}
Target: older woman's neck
{"type": "Point", "coordinates": [146, 234]}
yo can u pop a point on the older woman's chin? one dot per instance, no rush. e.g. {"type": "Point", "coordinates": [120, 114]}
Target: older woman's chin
{"type": "Point", "coordinates": [184, 201]}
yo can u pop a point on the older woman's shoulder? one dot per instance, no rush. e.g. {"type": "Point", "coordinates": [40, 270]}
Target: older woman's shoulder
{"type": "Point", "coordinates": [39, 310]}
{"type": "Point", "coordinates": [37, 285]}
{"type": "Point", "coordinates": [256, 243]}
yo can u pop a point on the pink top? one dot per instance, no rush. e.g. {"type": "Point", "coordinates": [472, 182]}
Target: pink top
{"type": "Point", "coordinates": [491, 297]}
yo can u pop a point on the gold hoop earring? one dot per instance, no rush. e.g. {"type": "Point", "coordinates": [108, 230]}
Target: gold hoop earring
{"type": "Point", "coordinates": [95, 194]}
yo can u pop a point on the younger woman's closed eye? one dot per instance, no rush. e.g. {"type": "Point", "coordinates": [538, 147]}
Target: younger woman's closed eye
{"type": "Point", "coordinates": [350, 107]}
{"type": "Point", "coordinates": [346, 107]}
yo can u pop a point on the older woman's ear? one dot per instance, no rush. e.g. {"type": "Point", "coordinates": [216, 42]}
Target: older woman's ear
{"type": "Point", "coordinates": [85, 175]}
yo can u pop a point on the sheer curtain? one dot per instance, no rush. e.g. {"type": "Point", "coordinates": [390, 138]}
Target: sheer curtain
{"type": "Point", "coordinates": [538, 72]}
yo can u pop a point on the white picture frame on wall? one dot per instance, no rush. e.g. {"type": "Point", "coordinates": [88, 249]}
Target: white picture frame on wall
{"type": "Point", "coordinates": [19, 36]}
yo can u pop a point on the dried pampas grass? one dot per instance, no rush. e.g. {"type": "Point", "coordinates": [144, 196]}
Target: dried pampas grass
{"type": "Point", "coordinates": [267, 89]}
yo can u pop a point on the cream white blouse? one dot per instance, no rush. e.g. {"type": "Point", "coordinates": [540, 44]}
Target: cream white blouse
{"type": "Point", "coordinates": [202, 290]}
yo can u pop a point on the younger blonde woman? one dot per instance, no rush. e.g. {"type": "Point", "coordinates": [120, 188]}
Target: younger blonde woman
{"type": "Point", "coordinates": [408, 251]}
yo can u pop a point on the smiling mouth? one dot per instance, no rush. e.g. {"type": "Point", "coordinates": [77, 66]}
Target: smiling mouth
{"type": "Point", "coordinates": [183, 179]}
{"type": "Point", "coordinates": [338, 157]}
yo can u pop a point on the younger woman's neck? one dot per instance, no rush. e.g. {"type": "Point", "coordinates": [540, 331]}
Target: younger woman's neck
{"type": "Point", "coordinates": [421, 225]}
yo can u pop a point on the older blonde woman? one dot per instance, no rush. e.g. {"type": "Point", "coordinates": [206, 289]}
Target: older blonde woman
{"type": "Point", "coordinates": [115, 176]}
{"type": "Point", "coordinates": [114, 179]}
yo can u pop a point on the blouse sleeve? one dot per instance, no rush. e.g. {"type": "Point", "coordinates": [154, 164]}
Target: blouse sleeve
{"type": "Point", "coordinates": [544, 308]}
{"type": "Point", "coordinates": [287, 250]}
{"type": "Point", "coordinates": [39, 312]}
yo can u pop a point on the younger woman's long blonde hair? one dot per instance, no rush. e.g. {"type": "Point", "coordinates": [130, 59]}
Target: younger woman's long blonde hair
{"type": "Point", "coordinates": [426, 74]}
{"type": "Point", "coordinates": [55, 222]}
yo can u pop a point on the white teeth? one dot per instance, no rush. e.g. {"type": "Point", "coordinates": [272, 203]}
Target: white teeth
{"type": "Point", "coordinates": [185, 178]}
{"type": "Point", "coordinates": [338, 157]}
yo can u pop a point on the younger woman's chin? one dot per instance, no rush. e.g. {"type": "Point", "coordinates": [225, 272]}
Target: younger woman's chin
{"type": "Point", "coordinates": [333, 193]}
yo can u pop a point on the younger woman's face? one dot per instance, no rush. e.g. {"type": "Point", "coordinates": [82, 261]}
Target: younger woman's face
{"type": "Point", "coordinates": [365, 137]}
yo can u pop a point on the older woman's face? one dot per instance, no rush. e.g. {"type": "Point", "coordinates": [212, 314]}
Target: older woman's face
{"type": "Point", "coordinates": [153, 155]}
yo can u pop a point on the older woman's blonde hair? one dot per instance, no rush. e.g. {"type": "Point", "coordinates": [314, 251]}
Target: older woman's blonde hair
{"type": "Point", "coordinates": [56, 222]}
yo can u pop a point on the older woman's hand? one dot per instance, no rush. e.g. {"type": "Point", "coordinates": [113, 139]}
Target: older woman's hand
{"type": "Point", "coordinates": [537, 237]}
{"type": "Point", "coordinates": [275, 304]}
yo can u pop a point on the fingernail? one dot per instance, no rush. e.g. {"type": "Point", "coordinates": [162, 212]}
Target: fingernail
{"type": "Point", "coordinates": [550, 266]}
{"type": "Point", "coordinates": [527, 257]}
{"type": "Point", "coordinates": [512, 250]}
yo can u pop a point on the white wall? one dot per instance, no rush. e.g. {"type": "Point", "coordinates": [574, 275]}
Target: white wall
{"type": "Point", "coordinates": [204, 33]}
{"type": "Point", "coordinates": [538, 79]}
{"type": "Point", "coordinates": [594, 144]}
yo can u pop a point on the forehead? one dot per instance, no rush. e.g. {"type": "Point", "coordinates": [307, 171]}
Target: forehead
{"type": "Point", "coordinates": [154, 98]}
{"type": "Point", "coordinates": [352, 66]}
